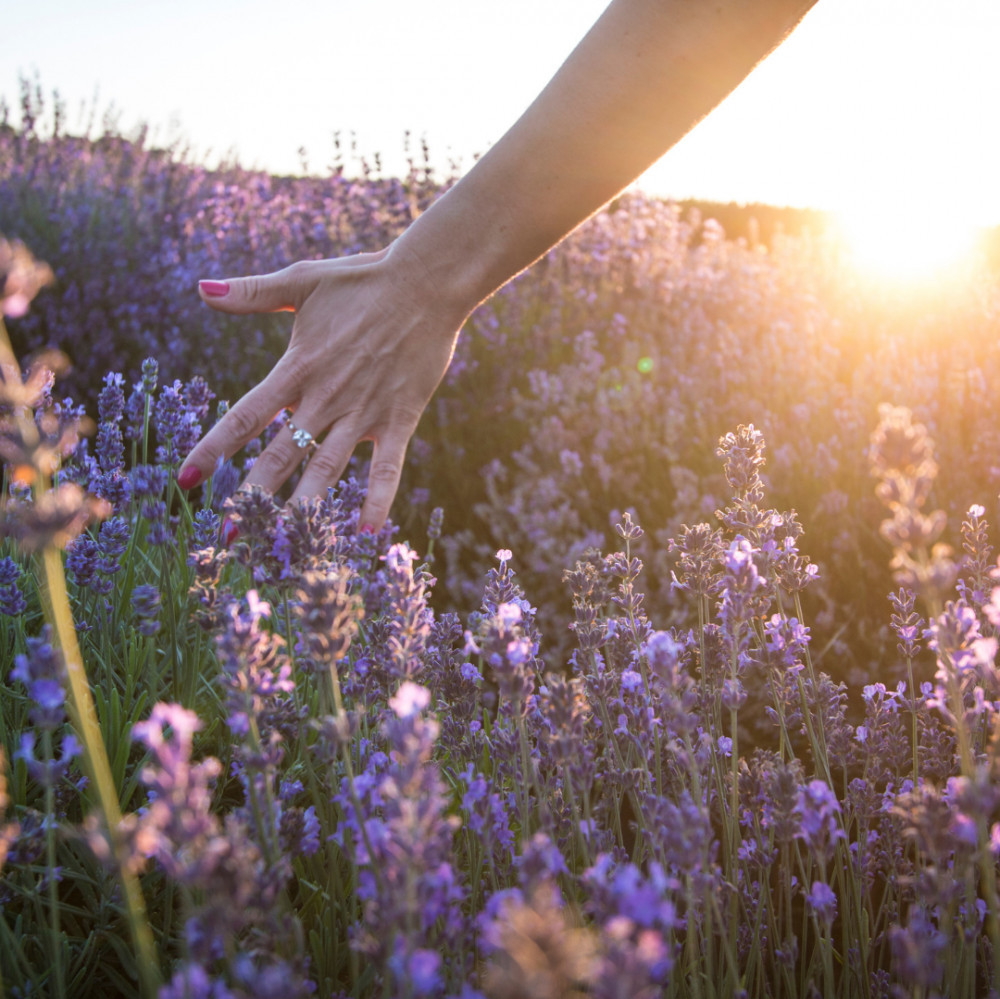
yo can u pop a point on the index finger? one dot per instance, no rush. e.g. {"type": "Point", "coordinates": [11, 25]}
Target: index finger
{"type": "Point", "coordinates": [240, 425]}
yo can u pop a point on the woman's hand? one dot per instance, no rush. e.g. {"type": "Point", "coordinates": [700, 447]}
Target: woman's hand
{"type": "Point", "coordinates": [369, 345]}
{"type": "Point", "coordinates": [374, 334]}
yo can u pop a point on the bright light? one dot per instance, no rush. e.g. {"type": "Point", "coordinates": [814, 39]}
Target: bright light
{"type": "Point", "coordinates": [908, 244]}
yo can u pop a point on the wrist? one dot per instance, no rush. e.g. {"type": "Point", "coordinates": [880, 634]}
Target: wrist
{"type": "Point", "coordinates": [456, 251]}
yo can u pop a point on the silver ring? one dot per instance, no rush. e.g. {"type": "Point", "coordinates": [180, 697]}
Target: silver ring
{"type": "Point", "coordinates": [302, 438]}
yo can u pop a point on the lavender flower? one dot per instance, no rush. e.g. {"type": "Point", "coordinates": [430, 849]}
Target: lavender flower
{"type": "Point", "coordinates": [303, 538]}
{"type": "Point", "coordinates": [822, 902]}
{"type": "Point", "coordinates": [411, 892]}
{"type": "Point", "coordinates": [744, 593]}
{"type": "Point", "coordinates": [48, 772]}
{"type": "Point", "coordinates": [146, 607]}
{"type": "Point", "coordinates": [148, 481]}
{"type": "Point", "coordinates": [819, 810]}
{"type": "Point", "coordinates": [12, 602]}
{"type": "Point", "coordinates": [328, 613]}
{"type": "Point", "coordinates": [255, 670]}
{"type": "Point", "coordinates": [42, 671]}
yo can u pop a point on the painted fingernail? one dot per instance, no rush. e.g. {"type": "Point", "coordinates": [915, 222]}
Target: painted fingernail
{"type": "Point", "coordinates": [189, 478]}
{"type": "Point", "coordinates": [229, 532]}
{"type": "Point", "coordinates": [214, 289]}
{"type": "Point", "coordinates": [367, 529]}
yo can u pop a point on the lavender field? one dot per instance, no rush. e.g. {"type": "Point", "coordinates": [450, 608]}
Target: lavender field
{"type": "Point", "coordinates": [676, 673]}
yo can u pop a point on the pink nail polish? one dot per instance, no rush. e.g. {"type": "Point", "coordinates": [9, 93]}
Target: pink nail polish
{"type": "Point", "coordinates": [367, 529]}
{"type": "Point", "coordinates": [214, 289]}
{"type": "Point", "coordinates": [189, 478]}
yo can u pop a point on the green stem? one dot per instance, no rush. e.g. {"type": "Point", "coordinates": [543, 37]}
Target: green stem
{"type": "Point", "coordinates": [55, 929]}
{"type": "Point", "coordinates": [83, 714]}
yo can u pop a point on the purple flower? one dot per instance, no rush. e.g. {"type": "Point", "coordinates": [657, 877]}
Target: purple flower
{"type": "Point", "coordinates": [743, 589]}
{"type": "Point", "coordinates": [918, 949]}
{"type": "Point", "coordinates": [12, 602]}
{"type": "Point", "coordinates": [819, 812]}
{"type": "Point", "coordinates": [205, 530]}
{"type": "Point", "coordinates": [255, 670]}
{"type": "Point", "coordinates": [134, 416]}
{"type": "Point", "coordinates": [191, 981]}
{"type": "Point", "coordinates": [540, 860]}
{"type": "Point", "coordinates": [111, 401]}
{"type": "Point", "coordinates": [304, 538]}
{"type": "Point", "coordinates": [418, 971]}
{"type": "Point", "coordinates": [48, 772]}
{"type": "Point", "coordinates": [823, 902]}
{"type": "Point", "coordinates": [631, 681]}
{"type": "Point", "coordinates": [624, 890]}
{"type": "Point", "coordinates": [81, 560]}
{"type": "Point", "coordinates": [42, 670]}
{"type": "Point", "coordinates": [146, 607]}
{"type": "Point", "coordinates": [148, 481]}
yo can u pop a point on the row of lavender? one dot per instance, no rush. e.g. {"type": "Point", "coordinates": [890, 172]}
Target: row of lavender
{"type": "Point", "coordinates": [699, 794]}
{"type": "Point", "coordinates": [328, 787]}
{"type": "Point", "coordinates": [638, 343]}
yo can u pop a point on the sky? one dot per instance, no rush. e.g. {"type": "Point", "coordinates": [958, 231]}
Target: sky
{"type": "Point", "coordinates": [870, 103]}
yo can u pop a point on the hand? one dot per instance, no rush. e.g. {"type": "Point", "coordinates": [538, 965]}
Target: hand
{"type": "Point", "coordinates": [368, 348]}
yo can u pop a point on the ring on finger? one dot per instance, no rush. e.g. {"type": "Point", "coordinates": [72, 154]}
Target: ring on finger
{"type": "Point", "coordinates": [302, 439]}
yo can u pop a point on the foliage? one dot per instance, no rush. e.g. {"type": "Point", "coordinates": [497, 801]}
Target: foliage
{"type": "Point", "coordinates": [336, 776]}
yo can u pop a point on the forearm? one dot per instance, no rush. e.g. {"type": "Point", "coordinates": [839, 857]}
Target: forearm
{"type": "Point", "coordinates": [644, 75]}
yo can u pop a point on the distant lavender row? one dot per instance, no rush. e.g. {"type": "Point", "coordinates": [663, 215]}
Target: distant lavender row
{"type": "Point", "coordinates": [129, 229]}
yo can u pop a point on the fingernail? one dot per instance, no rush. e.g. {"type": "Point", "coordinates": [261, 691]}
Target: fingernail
{"type": "Point", "coordinates": [214, 289]}
{"type": "Point", "coordinates": [189, 478]}
{"type": "Point", "coordinates": [367, 529]}
{"type": "Point", "coordinates": [229, 532]}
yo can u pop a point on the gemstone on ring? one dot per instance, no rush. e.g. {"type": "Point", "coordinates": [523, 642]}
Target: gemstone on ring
{"type": "Point", "coordinates": [302, 438]}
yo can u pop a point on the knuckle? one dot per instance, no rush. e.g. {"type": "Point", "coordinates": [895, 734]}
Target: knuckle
{"type": "Point", "coordinates": [242, 424]}
{"type": "Point", "coordinates": [271, 462]}
{"type": "Point", "coordinates": [325, 464]}
{"type": "Point", "coordinates": [298, 270]}
{"type": "Point", "coordinates": [253, 287]}
{"type": "Point", "coordinates": [384, 472]}
{"type": "Point", "coordinates": [296, 277]}
{"type": "Point", "coordinates": [295, 367]}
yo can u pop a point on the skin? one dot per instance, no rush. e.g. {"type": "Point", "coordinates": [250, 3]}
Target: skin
{"type": "Point", "coordinates": [374, 333]}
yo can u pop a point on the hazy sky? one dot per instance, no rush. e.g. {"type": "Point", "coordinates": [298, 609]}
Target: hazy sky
{"type": "Point", "coordinates": [870, 100]}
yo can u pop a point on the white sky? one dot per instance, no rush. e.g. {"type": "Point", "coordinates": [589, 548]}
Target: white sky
{"type": "Point", "coordinates": [870, 100]}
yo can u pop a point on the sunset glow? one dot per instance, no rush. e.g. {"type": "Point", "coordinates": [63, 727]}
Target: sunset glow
{"type": "Point", "coordinates": [802, 130]}
{"type": "Point", "coordinates": [904, 245]}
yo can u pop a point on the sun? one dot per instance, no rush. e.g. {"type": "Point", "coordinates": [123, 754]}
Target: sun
{"type": "Point", "coordinates": [909, 244]}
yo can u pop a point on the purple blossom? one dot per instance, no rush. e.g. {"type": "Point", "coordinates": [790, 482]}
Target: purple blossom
{"type": "Point", "coordinates": [43, 672]}
{"type": "Point", "coordinates": [48, 772]}
{"type": "Point", "coordinates": [255, 669]}
{"type": "Point", "coordinates": [148, 481]}
{"type": "Point", "coordinates": [822, 902]}
{"type": "Point", "coordinates": [12, 601]}
{"type": "Point", "coordinates": [411, 892]}
{"type": "Point", "coordinates": [146, 607]}
{"type": "Point", "coordinates": [743, 589]}
{"type": "Point", "coordinates": [191, 981]}
{"type": "Point", "coordinates": [819, 812]}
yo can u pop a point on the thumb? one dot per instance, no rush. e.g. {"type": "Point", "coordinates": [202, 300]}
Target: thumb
{"type": "Point", "coordinates": [282, 291]}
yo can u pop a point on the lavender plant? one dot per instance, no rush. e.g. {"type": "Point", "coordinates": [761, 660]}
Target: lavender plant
{"type": "Point", "coordinates": [324, 783]}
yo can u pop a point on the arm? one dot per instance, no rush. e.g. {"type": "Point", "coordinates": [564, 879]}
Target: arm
{"type": "Point", "coordinates": [644, 76]}
{"type": "Point", "coordinates": [374, 334]}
